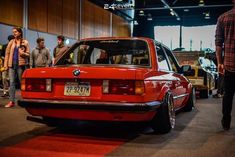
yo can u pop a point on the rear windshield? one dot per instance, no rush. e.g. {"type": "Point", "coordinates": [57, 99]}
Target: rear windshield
{"type": "Point", "coordinates": [109, 52]}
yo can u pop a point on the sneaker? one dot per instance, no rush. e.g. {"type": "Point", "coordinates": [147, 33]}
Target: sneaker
{"type": "Point", "coordinates": [217, 96]}
{"type": "Point", "coordinates": [10, 104]}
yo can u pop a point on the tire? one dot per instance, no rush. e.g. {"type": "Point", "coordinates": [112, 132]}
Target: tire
{"type": "Point", "coordinates": [164, 120]}
{"type": "Point", "coordinates": [204, 93]}
{"type": "Point", "coordinates": [191, 101]}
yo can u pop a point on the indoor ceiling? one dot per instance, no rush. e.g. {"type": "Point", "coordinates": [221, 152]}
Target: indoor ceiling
{"type": "Point", "coordinates": [171, 12]}
{"type": "Point", "coordinates": [186, 12]}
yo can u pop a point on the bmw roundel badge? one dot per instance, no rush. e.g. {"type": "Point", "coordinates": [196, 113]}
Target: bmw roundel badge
{"type": "Point", "coordinates": [76, 72]}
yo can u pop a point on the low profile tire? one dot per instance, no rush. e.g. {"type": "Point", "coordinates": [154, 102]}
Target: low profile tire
{"type": "Point", "coordinates": [164, 120]}
{"type": "Point", "coordinates": [191, 101]}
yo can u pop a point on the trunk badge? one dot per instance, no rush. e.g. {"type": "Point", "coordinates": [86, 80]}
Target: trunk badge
{"type": "Point", "coordinates": [76, 72]}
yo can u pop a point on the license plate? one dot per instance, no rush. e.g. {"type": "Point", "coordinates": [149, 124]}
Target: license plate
{"type": "Point", "coordinates": [77, 89]}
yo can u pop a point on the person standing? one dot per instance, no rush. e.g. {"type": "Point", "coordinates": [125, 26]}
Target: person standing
{"type": "Point", "coordinates": [225, 38]}
{"type": "Point", "coordinates": [15, 61]}
{"type": "Point", "coordinates": [5, 76]}
{"type": "Point", "coordinates": [59, 49]}
{"type": "Point", "coordinates": [40, 56]}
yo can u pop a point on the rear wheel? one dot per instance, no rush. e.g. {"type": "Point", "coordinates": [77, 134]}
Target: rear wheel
{"type": "Point", "coordinates": [191, 101]}
{"type": "Point", "coordinates": [164, 120]}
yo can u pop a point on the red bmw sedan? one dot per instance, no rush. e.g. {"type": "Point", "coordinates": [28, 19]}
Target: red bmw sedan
{"type": "Point", "coordinates": [110, 79]}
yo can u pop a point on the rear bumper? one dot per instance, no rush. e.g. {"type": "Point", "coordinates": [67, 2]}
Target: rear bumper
{"type": "Point", "coordinates": [98, 111]}
{"type": "Point", "coordinates": [85, 105]}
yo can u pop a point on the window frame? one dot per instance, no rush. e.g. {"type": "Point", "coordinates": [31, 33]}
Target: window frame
{"type": "Point", "coordinates": [166, 57]}
{"type": "Point", "coordinates": [170, 56]}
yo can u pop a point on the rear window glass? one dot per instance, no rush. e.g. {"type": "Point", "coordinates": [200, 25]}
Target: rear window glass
{"type": "Point", "coordinates": [99, 52]}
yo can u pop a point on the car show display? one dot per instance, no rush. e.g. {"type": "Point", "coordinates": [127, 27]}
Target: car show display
{"type": "Point", "coordinates": [111, 79]}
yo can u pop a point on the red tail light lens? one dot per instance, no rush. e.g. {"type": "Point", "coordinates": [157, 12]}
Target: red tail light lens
{"type": "Point", "coordinates": [122, 87]}
{"type": "Point", "coordinates": [37, 85]}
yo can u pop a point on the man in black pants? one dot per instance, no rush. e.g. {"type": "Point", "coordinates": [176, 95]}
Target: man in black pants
{"type": "Point", "coordinates": [225, 38]}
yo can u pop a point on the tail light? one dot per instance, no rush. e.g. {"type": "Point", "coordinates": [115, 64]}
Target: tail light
{"type": "Point", "coordinates": [36, 85]}
{"type": "Point", "coordinates": [123, 87]}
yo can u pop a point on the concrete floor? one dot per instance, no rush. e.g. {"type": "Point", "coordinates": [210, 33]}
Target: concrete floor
{"type": "Point", "coordinates": [197, 133]}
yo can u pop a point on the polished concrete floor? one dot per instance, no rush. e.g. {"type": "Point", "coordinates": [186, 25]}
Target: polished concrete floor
{"type": "Point", "coordinates": [197, 133]}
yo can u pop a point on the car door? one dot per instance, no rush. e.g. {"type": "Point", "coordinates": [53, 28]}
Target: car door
{"type": "Point", "coordinates": [181, 83]}
{"type": "Point", "coordinates": [164, 66]}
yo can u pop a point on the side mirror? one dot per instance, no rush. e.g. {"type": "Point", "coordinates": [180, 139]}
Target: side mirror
{"type": "Point", "coordinates": [185, 69]}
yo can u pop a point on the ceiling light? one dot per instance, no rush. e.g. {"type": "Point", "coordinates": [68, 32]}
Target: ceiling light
{"type": "Point", "coordinates": [141, 13]}
{"type": "Point", "coordinates": [201, 3]}
{"type": "Point", "coordinates": [207, 15]}
{"type": "Point", "coordinates": [178, 19]}
{"type": "Point", "coordinates": [186, 10]}
{"type": "Point", "coordinates": [172, 13]}
{"type": "Point", "coordinates": [136, 22]}
{"type": "Point", "coordinates": [149, 18]}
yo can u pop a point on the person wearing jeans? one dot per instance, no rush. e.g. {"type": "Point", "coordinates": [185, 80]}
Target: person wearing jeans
{"type": "Point", "coordinates": [225, 38]}
{"type": "Point", "coordinates": [16, 55]}
{"type": "Point", "coordinates": [5, 75]}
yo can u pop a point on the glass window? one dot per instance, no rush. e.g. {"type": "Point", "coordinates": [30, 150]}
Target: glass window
{"type": "Point", "coordinates": [161, 57]}
{"type": "Point", "coordinates": [114, 52]}
{"type": "Point", "coordinates": [173, 63]}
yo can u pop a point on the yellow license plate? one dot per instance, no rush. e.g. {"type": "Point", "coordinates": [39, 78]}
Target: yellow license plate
{"type": "Point", "coordinates": [77, 89]}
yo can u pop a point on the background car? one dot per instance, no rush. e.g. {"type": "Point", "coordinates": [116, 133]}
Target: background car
{"type": "Point", "coordinates": [110, 79]}
{"type": "Point", "coordinates": [203, 74]}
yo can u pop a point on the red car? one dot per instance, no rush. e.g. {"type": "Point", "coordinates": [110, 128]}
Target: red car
{"type": "Point", "coordinates": [110, 79]}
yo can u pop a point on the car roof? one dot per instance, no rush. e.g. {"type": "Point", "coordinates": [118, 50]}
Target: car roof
{"type": "Point", "coordinates": [116, 38]}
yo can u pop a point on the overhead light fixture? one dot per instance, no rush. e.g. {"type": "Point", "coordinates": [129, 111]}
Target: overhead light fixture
{"type": "Point", "coordinates": [186, 10]}
{"type": "Point", "coordinates": [149, 18]}
{"type": "Point", "coordinates": [136, 22]}
{"type": "Point", "coordinates": [141, 13]}
{"type": "Point", "coordinates": [172, 12]}
{"type": "Point", "coordinates": [207, 15]}
{"type": "Point", "coordinates": [201, 3]}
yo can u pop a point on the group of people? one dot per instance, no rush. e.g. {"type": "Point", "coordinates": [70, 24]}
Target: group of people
{"type": "Point", "coordinates": [17, 57]}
